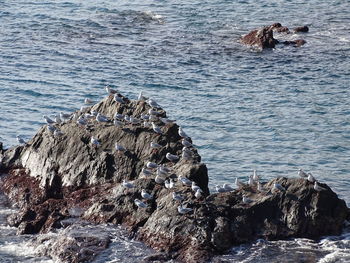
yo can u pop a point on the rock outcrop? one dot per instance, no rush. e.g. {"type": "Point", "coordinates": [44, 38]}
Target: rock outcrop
{"type": "Point", "coordinates": [56, 177]}
{"type": "Point", "coordinates": [263, 37]}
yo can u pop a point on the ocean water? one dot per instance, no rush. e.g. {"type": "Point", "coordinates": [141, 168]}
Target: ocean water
{"type": "Point", "coordinates": [274, 110]}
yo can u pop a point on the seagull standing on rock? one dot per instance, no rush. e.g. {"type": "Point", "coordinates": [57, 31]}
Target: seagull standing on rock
{"type": "Point", "coordinates": [182, 133]}
{"type": "Point", "coordinates": [277, 187]}
{"type": "Point", "coordinates": [110, 91]}
{"type": "Point", "coordinates": [318, 188]}
{"type": "Point", "coordinates": [302, 174]}
{"type": "Point", "coordinates": [185, 180]}
{"type": "Point", "coordinates": [118, 99]}
{"type": "Point", "coordinates": [48, 120]}
{"type": "Point", "coordinates": [20, 140]}
{"type": "Point", "coordinates": [227, 187]}
{"type": "Point", "coordinates": [156, 129]}
{"type": "Point", "coordinates": [177, 197]}
{"type": "Point", "coordinates": [184, 210]}
{"type": "Point", "coordinates": [120, 148]}
{"type": "Point", "coordinates": [311, 178]}
{"type": "Point", "coordinates": [146, 172]}
{"type": "Point", "coordinates": [65, 116]}
{"type": "Point", "coordinates": [220, 189]}
{"type": "Point", "coordinates": [171, 157]}
{"type": "Point", "coordinates": [140, 204]}
{"type": "Point", "coordinates": [101, 118]}
{"type": "Point", "coordinates": [95, 142]}
{"type": "Point", "coordinates": [127, 185]}
{"type": "Point", "coordinates": [146, 195]}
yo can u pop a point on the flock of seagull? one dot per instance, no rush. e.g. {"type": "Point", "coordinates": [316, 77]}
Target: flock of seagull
{"type": "Point", "coordinates": [162, 172]}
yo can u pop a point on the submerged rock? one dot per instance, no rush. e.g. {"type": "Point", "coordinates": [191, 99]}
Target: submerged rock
{"type": "Point", "coordinates": [55, 178]}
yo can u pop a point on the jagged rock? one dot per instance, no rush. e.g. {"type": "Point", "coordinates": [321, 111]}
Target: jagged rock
{"type": "Point", "coordinates": [263, 37]}
{"type": "Point", "coordinates": [55, 179]}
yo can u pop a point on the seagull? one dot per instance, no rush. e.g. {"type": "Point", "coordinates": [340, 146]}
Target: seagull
{"type": "Point", "coordinates": [93, 112]}
{"type": "Point", "coordinates": [119, 148]}
{"type": "Point", "coordinates": [152, 112]}
{"type": "Point", "coordinates": [159, 179]}
{"type": "Point", "coordinates": [51, 128]}
{"type": "Point", "coordinates": [167, 121]}
{"type": "Point", "coordinates": [146, 195]}
{"type": "Point", "coordinates": [186, 143]}
{"type": "Point", "coordinates": [84, 108]}
{"type": "Point", "coordinates": [164, 169]}
{"type": "Point", "coordinates": [146, 172]}
{"type": "Point", "coordinates": [119, 116]}
{"type": "Point", "coordinates": [167, 184]}
{"type": "Point", "coordinates": [127, 184]}
{"type": "Point", "coordinates": [141, 97]}
{"type": "Point", "coordinates": [20, 140]}
{"type": "Point", "coordinates": [318, 188]}
{"type": "Point", "coordinates": [198, 193]}
{"type": "Point", "coordinates": [302, 174]}
{"type": "Point", "coordinates": [185, 180]}
{"type": "Point", "coordinates": [101, 118]}
{"type": "Point", "coordinates": [151, 165]}
{"type": "Point", "coordinates": [155, 146]}
{"type": "Point", "coordinates": [95, 142]}
{"type": "Point", "coordinates": [110, 91]}
{"type": "Point", "coordinates": [58, 119]}
{"type": "Point", "coordinates": [87, 101]}
{"type": "Point", "coordinates": [182, 133]}
{"type": "Point", "coordinates": [220, 189]}
{"type": "Point", "coordinates": [255, 176]}
{"type": "Point", "coordinates": [153, 103]}
{"type": "Point", "coordinates": [227, 187]}
{"type": "Point", "coordinates": [184, 210]}
{"type": "Point", "coordinates": [144, 117]}
{"type": "Point", "coordinates": [311, 178]}
{"type": "Point", "coordinates": [186, 156]}
{"type": "Point", "coordinates": [195, 187]}
{"type": "Point", "coordinates": [133, 120]}
{"type": "Point", "coordinates": [140, 204]}
{"type": "Point", "coordinates": [177, 197]}
{"type": "Point", "coordinates": [251, 181]}
{"type": "Point", "coordinates": [156, 129]}
{"type": "Point", "coordinates": [278, 187]}
{"type": "Point", "coordinates": [58, 133]}
{"type": "Point", "coordinates": [172, 157]}
{"type": "Point", "coordinates": [48, 120]}
{"type": "Point", "coordinates": [246, 200]}
{"type": "Point", "coordinates": [88, 116]}
{"type": "Point", "coordinates": [65, 116]}
{"type": "Point", "coordinates": [238, 183]}
{"type": "Point", "coordinates": [82, 121]}
{"type": "Point", "coordinates": [118, 99]}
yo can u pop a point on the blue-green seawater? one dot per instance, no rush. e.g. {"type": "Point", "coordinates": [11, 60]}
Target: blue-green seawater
{"type": "Point", "coordinates": [274, 110]}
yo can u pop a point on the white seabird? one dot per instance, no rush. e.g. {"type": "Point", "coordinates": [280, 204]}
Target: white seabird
{"type": "Point", "coordinates": [151, 165]}
{"type": "Point", "coordinates": [177, 197]}
{"type": "Point", "coordinates": [227, 187]}
{"type": "Point", "coordinates": [119, 116]}
{"type": "Point", "coordinates": [58, 133]}
{"type": "Point", "coordinates": [195, 187]}
{"type": "Point", "coordinates": [311, 178]}
{"type": "Point", "coordinates": [120, 148]}
{"type": "Point", "coordinates": [127, 184]}
{"type": "Point", "coordinates": [51, 128]}
{"type": "Point", "coordinates": [118, 123]}
{"type": "Point", "coordinates": [48, 120]}
{"type": "Point", "coordinates": [186, 143]}
{"type": "Point", "coordinates": [246, 200]}
{"type": "Point", "coordinates": [172, 157]}
{"type": "Point", "coordinates": [318, 188]}
{"type": "Point", "coordinates": [255, 176]}
{"type": "Point", "coordinates": [159, 179]}
{"type": "Point", "coordinates": [118, 99]}
{"type": "Point", "coordinates": [198, 193]}
{"type": "Point", "coordinates": [182, 133]}
{"type": "Point", "coordinates": [95, 142]}
{"type": "Point", "coordinates": [101, 118]}
{"type": "Point", "coordinates": [185, 180]}
{"type": "Point", "coordinates": [146, 195]}
{"type": "Point", "coordinates": [146, 172]}
{"type": "Point", "coordinates": [58, 119]}
{"type": "Point", "coordinates": [155, 145]}
{"type": "Point", "coordinates": [238, 183]}
{"type": "Point", "coordinates": [65, 116]}
{"type": "Point", "coordinates": [110, 90]}
{"type": "Point", "coordinates": [20, 140]}
{"type": "Point", "coordinates": [184, 210]}
{"type": "Point", "coordinates": [220, 189]}
{"type": "Point", "coordinates": [88, 101]}
{"type": "Point", "coordinates": [278, 187]}
{"type": "Point", "coordinates": [167, 121]}
{"type": "Point", "coordinates": [153, 103]}
{"type": "Point", "coordinates": [156, 129]}
{"type": "Point", "coordinates": [82, 121]}
{"type": "Point", "coordinates": [302, 174]}
{"type": "Point", "coordinates": [140, 204]}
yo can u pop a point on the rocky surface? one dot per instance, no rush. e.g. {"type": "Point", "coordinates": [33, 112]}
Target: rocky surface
{"type": "Point", "coordinates": [55, 178]}
{"type": "Point", "coordinates": [263, 37]}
